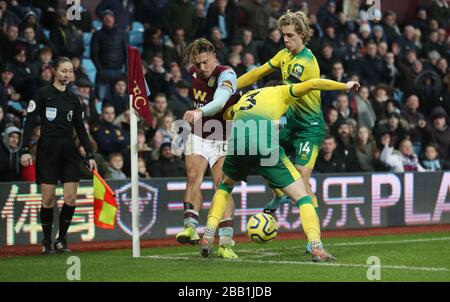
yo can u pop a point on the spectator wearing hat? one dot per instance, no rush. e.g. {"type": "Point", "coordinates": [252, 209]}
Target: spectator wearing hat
{"type": "Point", "coordinates": [378, 34]}
{"type": "Point", "coordinates": [10, 155]}
{"type": "Point", "coordinates": [365, 33]}
{"type": "Point", "coordinates": [168, 165]}
{"type": "Point", "coordinates": [327, 14]}
{"type": "Point", "coordinates": [180, 102]}
{"type": "Point", "coordinates": [31, 18]}
{"type": "Point", "coordinates": [92, 107]}
{"type": "Point", "coordinates": [66, 38]}
{"type": "Point", "coordinates": [122, 10]}
{"type": "Point", "coordinates": [437, 131]}
{"type": "Point", "coordinates": [109, 53]}
{"type": "Point", "coordinates": [8, 41]}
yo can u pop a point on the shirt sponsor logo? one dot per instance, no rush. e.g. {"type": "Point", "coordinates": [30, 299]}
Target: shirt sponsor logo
{"type": "Point", "coordinates": [50, 113]}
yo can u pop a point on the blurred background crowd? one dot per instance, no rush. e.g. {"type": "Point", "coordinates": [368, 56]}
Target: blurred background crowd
{"type": "Point", "coordinates": [398, 121]}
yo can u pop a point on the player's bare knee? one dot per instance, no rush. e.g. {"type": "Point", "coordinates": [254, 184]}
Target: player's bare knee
{"type": "Point", "coordinates": [48, 201]}
{"type": "Point", "coordinates": [193, 177]}
{"type": "Point", "coordinates": [70, 200]}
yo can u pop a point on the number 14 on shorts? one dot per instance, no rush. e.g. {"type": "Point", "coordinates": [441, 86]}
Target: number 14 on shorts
{"type": "Point", "coordinates": [304, 148]}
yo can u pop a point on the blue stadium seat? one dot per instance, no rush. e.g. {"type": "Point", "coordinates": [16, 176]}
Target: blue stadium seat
{"type": "Point", "coordinates": [136, 38]}
{"type": "Point", "coordinates": [47, 33]}
{"type": "Point", "coordinates": [97, 25]}
{"type": "Point", "coordinates": [87, 52]}
{"type": "Point", "coordinates": [87, 38]}
{"type": "Point", "coordinates": [90, 69]}
{"type": "Point", "coordinates": [137, 26]}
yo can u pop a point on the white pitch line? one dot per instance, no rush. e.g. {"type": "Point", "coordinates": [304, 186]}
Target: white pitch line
{"type": "Point", "coordinates": [401, 267]}
{"type": "Point", "coordinates": [331, 245]}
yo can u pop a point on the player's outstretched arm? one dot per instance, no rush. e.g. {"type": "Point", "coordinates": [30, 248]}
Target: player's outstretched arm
{"type": "Point", "coordinates": [254, 75]}
{"type": "Point", "coordinates": [322, 84]}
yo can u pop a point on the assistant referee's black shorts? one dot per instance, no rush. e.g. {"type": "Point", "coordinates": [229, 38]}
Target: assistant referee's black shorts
{"type": "Point", "coordinates": [57, 159]}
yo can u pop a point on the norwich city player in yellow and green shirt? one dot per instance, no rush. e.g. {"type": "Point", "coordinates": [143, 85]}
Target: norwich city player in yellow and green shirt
{"type": "Point", "coordinates": [305, 129]}
{"type": "Point", "coordinates": [251, 116]}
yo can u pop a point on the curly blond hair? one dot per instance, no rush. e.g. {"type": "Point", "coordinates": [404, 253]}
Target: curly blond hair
{"type": "Point", "coordinates": [300, 22]}
{"type": "Point", "coordinates": [195, 48]}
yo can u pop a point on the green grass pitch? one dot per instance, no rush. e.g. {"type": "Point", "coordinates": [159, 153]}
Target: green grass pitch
{"type": "Point", "coordinates": [412, 257]}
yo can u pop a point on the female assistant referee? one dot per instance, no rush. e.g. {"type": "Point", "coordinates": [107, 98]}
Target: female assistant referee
{"type": "Point", "coordinates": [57, 158]}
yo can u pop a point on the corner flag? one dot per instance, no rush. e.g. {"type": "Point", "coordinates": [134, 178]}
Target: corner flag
{"type": "Point", "coordinates": [137, 86]}
{"type": "Point", "coordinates": [105, 204]}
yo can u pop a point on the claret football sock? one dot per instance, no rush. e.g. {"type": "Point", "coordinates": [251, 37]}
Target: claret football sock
{"type": "Point", "coordinates": [65, 218]}
{"type": "Point", "coordinates": [226, 228]}
{"type": "Point", "coordinates": [309, 219]}
{"type": "Point", "coordinates": [47, 222]}
{"type": "Point", "coordinates": [190, 216]}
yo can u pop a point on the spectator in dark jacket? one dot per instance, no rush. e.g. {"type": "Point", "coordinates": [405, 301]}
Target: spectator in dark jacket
{"type": "Point", "coordinates": [167, 165]}
{"type": "Point", "coordinates": [328, 161]}
{"type": "Point", "coordinates": [346, 148]}
{"type": "Point", "coordinates": [8, 41]}
{"type": "Point", "coordinates": [9, 155]}
{"type": "Point", "coordinates": [180, 102]}
{"type": "Point", "coordinates": [123, 12]}
{"type": "Point", "coordinates": [371, 68]}
{"type": "Point", "coordinates": [119, 97]}
{"type": "Point", "coordinates": [327, 14]}
{"type": "Point", "coordinates": [27, 40]}
{"type": "Point", "coordinates": [109, 53]}
{"type": "Point", "coordinates": [414, 118]}
{"type": "Point", "coordinates": [431, 160]}
{"type": "Point", "coordinates": [66, 39]}
{"type": "Point", "coordinates": [30, 18]}
{"type": "Point", "coordinates": [222, 14]}
{"type": "Point", "coordinates": [438, 132]}
{"type": "Point", "coordinates": [180, 14]}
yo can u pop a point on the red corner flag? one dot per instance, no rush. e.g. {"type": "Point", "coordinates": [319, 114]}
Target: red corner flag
{"type": "Point", "coordinates": [105, 204]}
{"type": "Point", "coordinates": [137, 87]}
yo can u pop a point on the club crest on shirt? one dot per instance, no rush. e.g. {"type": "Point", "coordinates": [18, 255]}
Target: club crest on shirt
{"type": "Point", "coordinates": [69, 115]}
{"type": "Point", "coordinates": [212, 81]}
{"type": "Point", "coordinates": [297, 71]}
{"type": "Point", "coordinates": [50, 113]}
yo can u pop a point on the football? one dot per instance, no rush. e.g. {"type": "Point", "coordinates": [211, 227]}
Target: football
{"type": "Point", "coordinates": [262, 228]}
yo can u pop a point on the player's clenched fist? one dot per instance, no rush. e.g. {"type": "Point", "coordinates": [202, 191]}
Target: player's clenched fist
{"type": "Point", "coordinates": [192, 116]}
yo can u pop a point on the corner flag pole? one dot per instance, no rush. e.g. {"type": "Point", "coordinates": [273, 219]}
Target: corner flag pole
{"type": "Point", "coordinates": [134, 181]}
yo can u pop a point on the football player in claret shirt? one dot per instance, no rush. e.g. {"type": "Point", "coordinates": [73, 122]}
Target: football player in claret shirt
{"type": "Point", "coordinates": [213, 86]}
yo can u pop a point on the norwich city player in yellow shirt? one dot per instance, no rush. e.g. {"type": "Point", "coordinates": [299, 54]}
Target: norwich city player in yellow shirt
{"type": "Point", "coordinates": [305, 129]}
{"type": "Point", "coordinates": [254, 126]}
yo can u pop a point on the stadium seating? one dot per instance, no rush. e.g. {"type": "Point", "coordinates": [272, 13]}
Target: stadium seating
{"type": "Point", "coordinates": [90, 69]}
{"type": "Point", "coordinates": [136, 34]}
{"type": "Point", "coordinates": [97, 25]}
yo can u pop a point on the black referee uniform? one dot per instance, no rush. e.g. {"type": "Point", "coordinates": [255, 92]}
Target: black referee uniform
{"type": "Point", "coordinates": [57, 156]}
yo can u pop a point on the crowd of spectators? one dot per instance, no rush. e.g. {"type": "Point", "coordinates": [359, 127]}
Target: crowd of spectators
{"type": "Point", "coordinates": [397, 121]}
